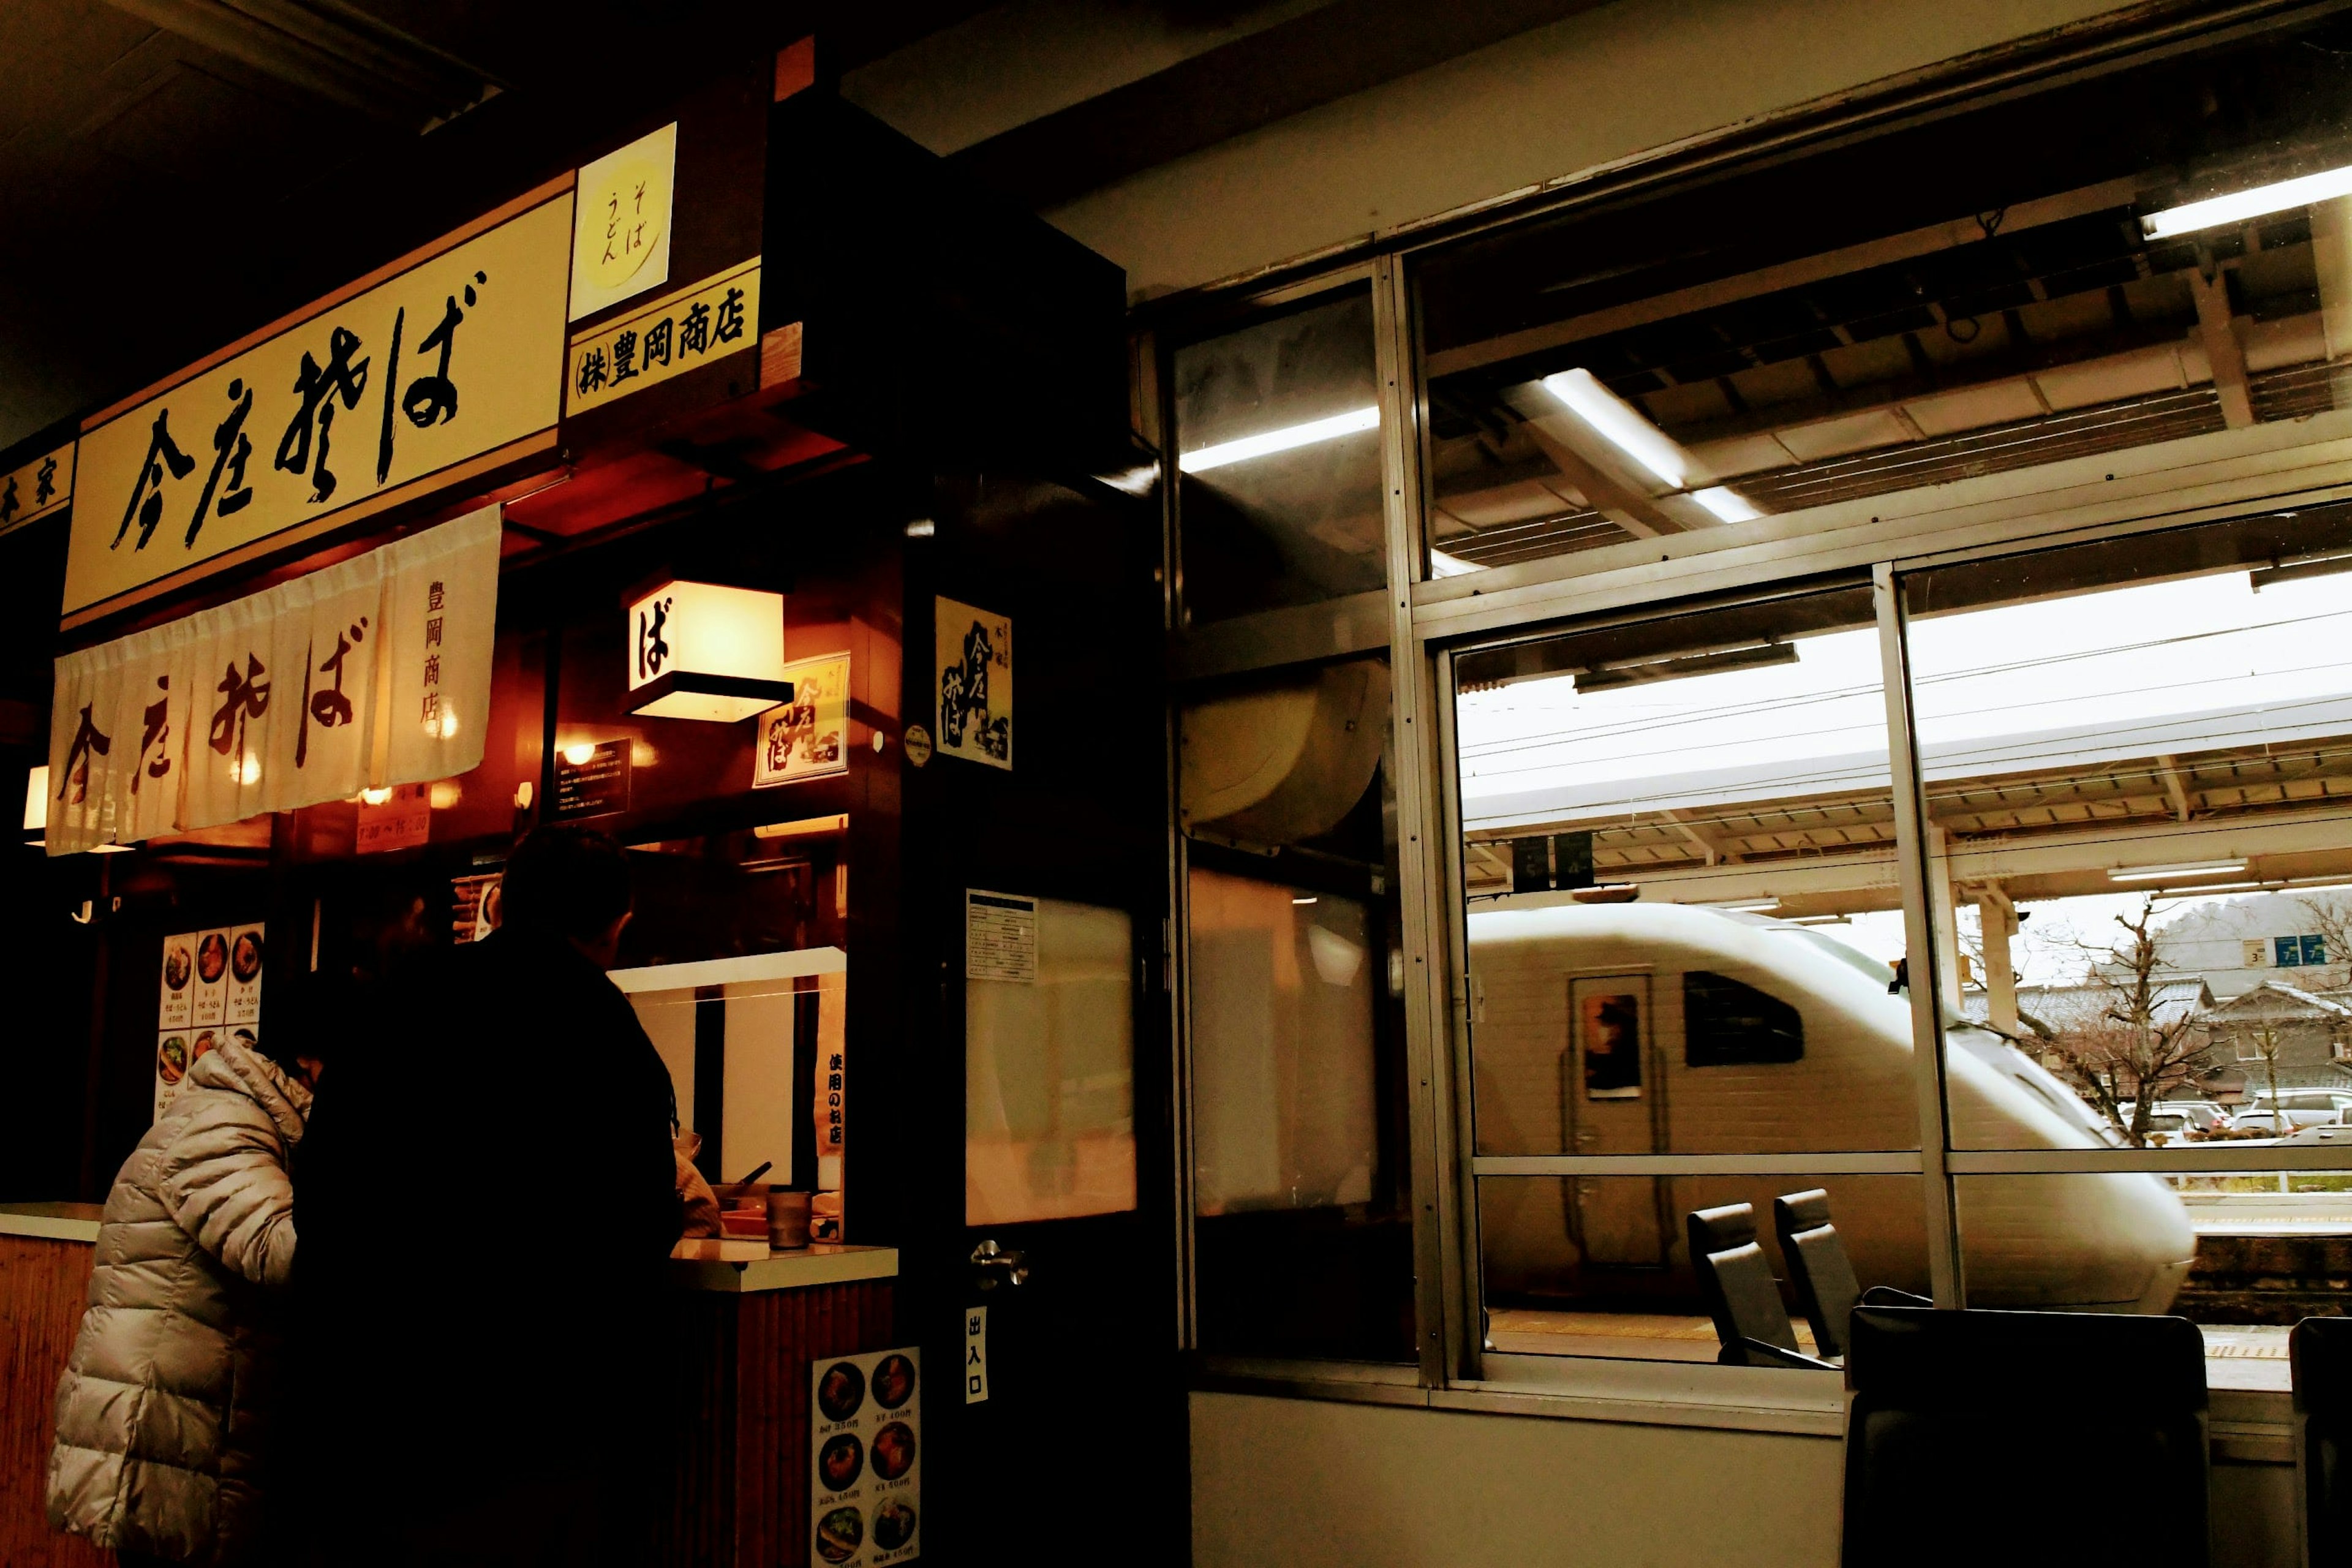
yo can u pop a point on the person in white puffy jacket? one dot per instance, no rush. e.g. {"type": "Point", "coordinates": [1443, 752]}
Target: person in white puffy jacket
{"type": "Point", "coordinates": [164, 1413]}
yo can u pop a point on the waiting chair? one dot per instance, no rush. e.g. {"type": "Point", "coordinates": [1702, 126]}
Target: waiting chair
{"type": "Point", "coordinates": [2320, 1350]}
{"type": "Point", "coordinates": [1827, 1291]}
{"type": "Point", "coordinates": [2024, 1438]}
{"type": "Point", "coordinates": [1741, 1294]}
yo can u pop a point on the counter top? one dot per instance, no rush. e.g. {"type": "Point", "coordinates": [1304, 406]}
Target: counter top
{"type": "Point", "coordinates": [771, 1271]}
{"type": "Point", "coordinates": [792, 1271]}
{"type": "Point", "coordinates": [57, 1222]}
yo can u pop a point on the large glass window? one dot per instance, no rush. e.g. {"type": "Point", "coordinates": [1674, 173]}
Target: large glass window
{"type": "Point", "coordinates": [1683, 913]}
{"type": "Point", "coordinates": [1278, 459]}
{"type": "Point", "coordinates": [1973, 301]}
{"type": "Point", "coordinates": [1301, 1219]}
{"type": "Point", "coordinates": [2138, 761]}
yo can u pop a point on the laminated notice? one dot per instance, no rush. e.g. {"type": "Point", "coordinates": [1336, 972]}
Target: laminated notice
{"type": "Point", "coordinates": [1000, 937]}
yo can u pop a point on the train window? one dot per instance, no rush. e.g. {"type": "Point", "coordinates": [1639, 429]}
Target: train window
{"type": "Point", "coordinates": [1279, 462]}
{"type": "Point", "coordinates": [1727, 1023]}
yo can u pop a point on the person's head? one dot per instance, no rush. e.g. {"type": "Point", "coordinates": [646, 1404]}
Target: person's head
{"type": "Point", "coordinates": [569, 882]}
{"type": "Point", "coordinates": [301, 1021]}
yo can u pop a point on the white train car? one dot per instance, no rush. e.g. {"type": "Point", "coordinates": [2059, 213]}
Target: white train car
{"type": "Point", "coordinates": [1659, 1028]}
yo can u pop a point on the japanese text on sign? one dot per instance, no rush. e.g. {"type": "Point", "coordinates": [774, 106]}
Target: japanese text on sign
{"type": "Point", "coordinates": [671, 336]}
{"type": "Point", "coordinates": [308, 691]}
{"type": "Point", "coordinates": [40, 488]}
{"type": "Point", "coordinates": [442, 362]}
{"type": "Point", "coordinates": [1000, 937]}
{"type": "Point", "coordinates": [620, 243]}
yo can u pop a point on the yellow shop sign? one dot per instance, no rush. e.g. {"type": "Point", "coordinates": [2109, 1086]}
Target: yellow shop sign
{"type": "Point", "coordinates": [447, 359]}
{"type": "Point", "coordinates": [669, 337]}
{"type": "Point", "coordinates": [38, 489]}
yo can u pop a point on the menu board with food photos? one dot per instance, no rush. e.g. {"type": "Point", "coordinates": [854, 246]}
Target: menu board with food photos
{"type": "Point", "coordinates": [211, 994]}
{"type": "Point", "coordinates": [866, 1448]}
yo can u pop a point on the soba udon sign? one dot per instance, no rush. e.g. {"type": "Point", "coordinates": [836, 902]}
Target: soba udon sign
{"type": "Point", "coordinates": [373, 672]}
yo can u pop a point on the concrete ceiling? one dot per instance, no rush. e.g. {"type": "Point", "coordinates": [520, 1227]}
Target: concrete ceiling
{"type": "Point", "coordinates": [178, 171]}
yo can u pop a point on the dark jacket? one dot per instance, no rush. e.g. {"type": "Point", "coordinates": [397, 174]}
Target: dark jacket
{"type": "Point", "coordinates": [163, 1410]}
{"type": "Point", "coordinates": [486, 1195]}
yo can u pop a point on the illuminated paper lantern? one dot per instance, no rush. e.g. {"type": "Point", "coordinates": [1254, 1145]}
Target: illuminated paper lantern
{"type": "Point", "coordinates": [698, 650]}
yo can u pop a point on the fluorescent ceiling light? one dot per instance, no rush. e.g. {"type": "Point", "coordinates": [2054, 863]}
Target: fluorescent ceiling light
{"type": "Point", "coordinates": [1746, 907]}
{"type": "Point", "coordinates": [1728, 504]}
{"type": "Point", "coordinates": [1441, 564]}
{"type": "Point", "coordinates": [2157, 873]}
{"type": "Point", "coordinates": [1201, 459]}
{"type": "Point", "coordinates": [1620, 424]}
{"type": "Point", "coordinates": [2239, 205]}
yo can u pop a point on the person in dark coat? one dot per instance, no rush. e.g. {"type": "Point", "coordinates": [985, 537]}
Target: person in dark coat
{"type": "Point", "coordinates": [486, 1195]}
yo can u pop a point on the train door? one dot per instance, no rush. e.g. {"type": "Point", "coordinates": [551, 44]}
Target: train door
{"type": "Point", "coordinates": [1615, 1095]}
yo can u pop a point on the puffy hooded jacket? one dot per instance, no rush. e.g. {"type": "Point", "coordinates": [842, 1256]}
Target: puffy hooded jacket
{"type": "Point", "coordinates": [163, 1410]}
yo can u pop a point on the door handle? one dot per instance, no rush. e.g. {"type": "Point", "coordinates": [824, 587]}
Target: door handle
{"type": "Point", "coordinates": [998, 1266]}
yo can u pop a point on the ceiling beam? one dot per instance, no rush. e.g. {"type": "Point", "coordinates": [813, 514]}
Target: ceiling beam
{"type": "Point", "coordinates": [1636, 514]}
{"type": "Point", "coordinates": [1325, 55]}
{"type": "Point", "coordinates": [2217, 331]}
{"type": "Point", "coordinates": [347, 57]}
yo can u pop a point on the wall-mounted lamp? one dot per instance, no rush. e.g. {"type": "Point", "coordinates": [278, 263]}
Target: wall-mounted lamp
{"type": "Point", "coordinates": [698, 650]}
{"type": "Point", "coordinates": [36, 802]}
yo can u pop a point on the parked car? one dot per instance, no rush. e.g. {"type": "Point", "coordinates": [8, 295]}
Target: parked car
{"type": "Point", "coordinates": [2323, 1132]}
{"type": "Point", "coordinates": [2203, 1114]}
{"type": "Point", "coordinates": [2178, 1120]}
{"type": "Point", "coordinates": [2301, 1107]}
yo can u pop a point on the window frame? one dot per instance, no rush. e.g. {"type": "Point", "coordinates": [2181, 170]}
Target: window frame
{"type": "Point", "coordinates": [1424, 625]}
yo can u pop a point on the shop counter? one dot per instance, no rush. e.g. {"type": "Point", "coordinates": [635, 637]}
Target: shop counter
{"type": "Point", "coordinates": [749, 1329]}
{"type": "Point", "coordinates": [45, 1257]}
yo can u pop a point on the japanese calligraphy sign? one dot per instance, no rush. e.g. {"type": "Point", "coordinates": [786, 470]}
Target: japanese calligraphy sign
{"type": "Point", "coordinates": [442, 362]}
{"type": "Point", "coordinates": [972, 651]}
{"type": "Point", "coordinates": [669, 337]}
{"type": "Point", "coordinates": [807, 738]}
{"type": "Point", "coordinates": [620, 238]}
{"type": "Point", "coordinates": [40, 488]}
{"type": "Point", "coordinates": [373, 672]}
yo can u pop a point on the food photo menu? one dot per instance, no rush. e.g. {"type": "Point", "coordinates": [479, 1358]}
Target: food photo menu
{"type": "Point", "coordinates": [211, 994]}
{"type": "Point", "coordinates": [865, 1496]}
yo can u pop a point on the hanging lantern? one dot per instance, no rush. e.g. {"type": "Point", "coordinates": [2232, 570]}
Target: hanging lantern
{"type": "Point", "coordinates": [698, 650]}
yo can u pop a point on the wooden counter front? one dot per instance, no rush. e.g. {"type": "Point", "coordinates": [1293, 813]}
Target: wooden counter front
{"type": "Point", "coordinates": [748, 1334]}
{"type": "Point", "coordinates": [741, 1476]}
{"type": "Point", "coordinates": [44, 1284]}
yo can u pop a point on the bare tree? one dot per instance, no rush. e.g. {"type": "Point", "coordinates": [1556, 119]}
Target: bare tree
{"type": "Point", "coordinates": [2267, 1042]}
{"type": "Point", "coordinates": [2332, 920]}
{"type": "Point", "coordinates": [2129, 1054]}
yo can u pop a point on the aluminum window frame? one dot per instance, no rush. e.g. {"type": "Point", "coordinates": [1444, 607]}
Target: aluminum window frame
{"type": "Point", "coordinates": [1423, 625]}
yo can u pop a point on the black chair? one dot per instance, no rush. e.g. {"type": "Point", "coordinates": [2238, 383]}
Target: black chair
{"type": "Point", "coordinates": [2024, 1438]}
{"type": "Point", "coordinates": [2320, 1350]}
{"type": "Point", "coordinates": [1742, 1297]}
{"type": "Point", "coordinates": [1827, 1291]}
